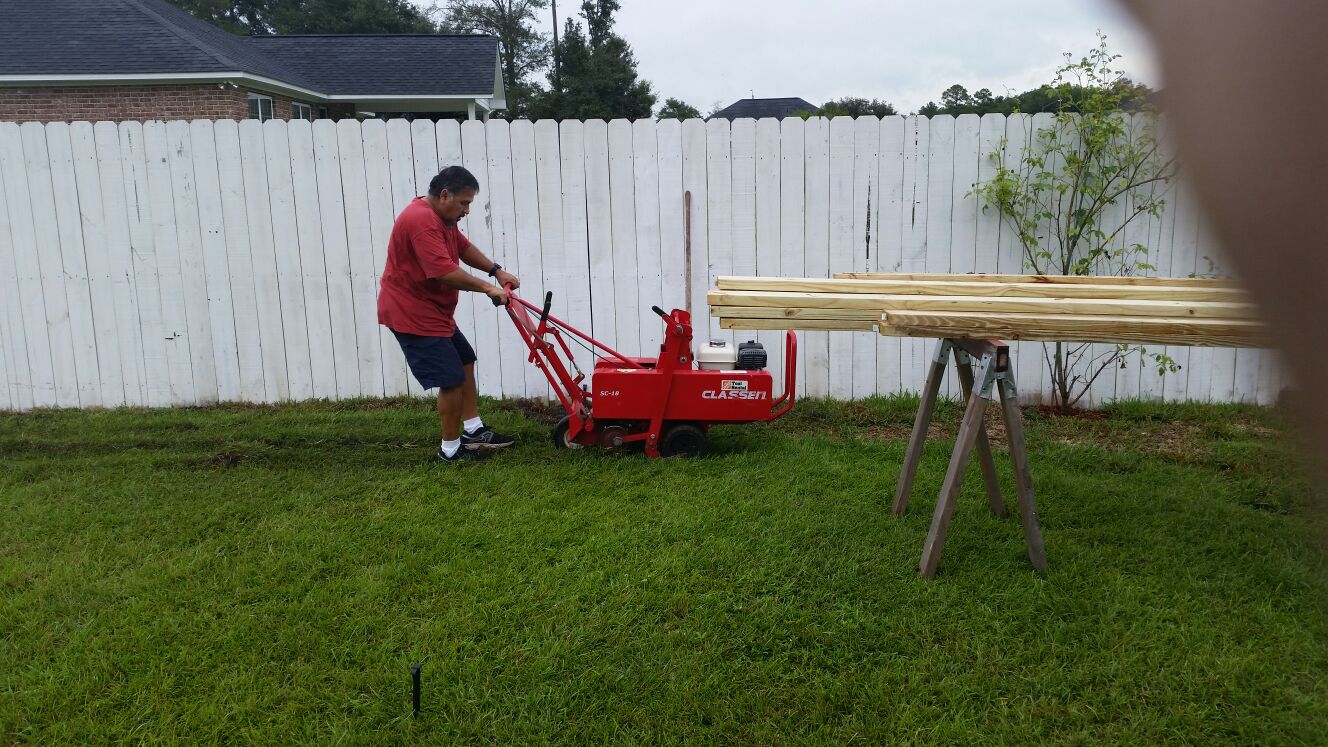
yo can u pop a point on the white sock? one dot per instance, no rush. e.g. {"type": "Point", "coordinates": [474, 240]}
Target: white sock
{"type": "Point", "coordinates": [473, 424]}
{"type": "Point", "coordinates": [450, 448]}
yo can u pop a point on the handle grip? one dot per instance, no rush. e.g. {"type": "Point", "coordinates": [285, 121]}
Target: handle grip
{"type": "Point", "coordinates": [661, 313]}
{"type": "Point", "coordinates": [548, 301]}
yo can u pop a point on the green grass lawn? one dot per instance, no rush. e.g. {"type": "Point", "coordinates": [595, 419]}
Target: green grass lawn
{"type": "Point", "coordinates": [269, 575]}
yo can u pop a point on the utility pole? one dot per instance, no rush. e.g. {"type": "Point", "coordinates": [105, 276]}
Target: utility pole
{"type": "Point", "coordinates": [557, 81]}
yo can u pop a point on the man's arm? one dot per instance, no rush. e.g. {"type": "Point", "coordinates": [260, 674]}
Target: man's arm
{"type": "Point", "coordinates": [472, 256]}
{"type": "Point", "coordinates": [462, 280]}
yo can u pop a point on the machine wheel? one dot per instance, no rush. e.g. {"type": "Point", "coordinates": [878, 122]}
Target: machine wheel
{"type": "Point", "coordinates": [559, 435]}
{"type": "Point", "coordinates": [683, 440]}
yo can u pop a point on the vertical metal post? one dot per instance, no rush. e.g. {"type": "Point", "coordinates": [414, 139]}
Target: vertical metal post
{"type": "Point", "coordinates": [415, 689]}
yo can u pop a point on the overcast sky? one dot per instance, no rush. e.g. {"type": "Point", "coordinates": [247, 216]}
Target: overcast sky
{"type": "Point", "coordinates": [716, 51]}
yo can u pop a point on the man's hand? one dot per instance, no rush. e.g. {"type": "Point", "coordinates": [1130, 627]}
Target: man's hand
{"type": "Point", "coordinates": [497, 294]}
{"type": "Point", "coordinates": [506, 278]}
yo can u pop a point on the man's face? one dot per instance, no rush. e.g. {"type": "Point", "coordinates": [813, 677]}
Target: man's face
{"type": "Point", "coordinates": [454, 207]}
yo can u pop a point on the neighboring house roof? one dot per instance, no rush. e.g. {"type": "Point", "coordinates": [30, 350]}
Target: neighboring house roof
{"type": "Point", "coordinates": [758, 108]}
{"type": "Point", "coordinates": [394, 64]}
{"type": "Point", "coordinates": [71, 40]}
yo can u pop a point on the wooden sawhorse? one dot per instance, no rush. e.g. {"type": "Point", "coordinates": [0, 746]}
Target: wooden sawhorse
{"type": "Point", "coordinates": [983, 365]}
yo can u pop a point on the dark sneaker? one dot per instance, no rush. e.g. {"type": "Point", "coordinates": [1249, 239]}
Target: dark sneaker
{"type": "Point", "coordinates": [485, 438]}
{"type": "Point", "coordinates": [462, 455]}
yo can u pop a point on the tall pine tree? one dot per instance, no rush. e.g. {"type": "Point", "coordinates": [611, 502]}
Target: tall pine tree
{"type": "Point", "coordinates": [597, 72]}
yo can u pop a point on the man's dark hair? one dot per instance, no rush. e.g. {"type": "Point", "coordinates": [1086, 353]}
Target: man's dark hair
{"type": "Point", "coordinates": [454, 179]}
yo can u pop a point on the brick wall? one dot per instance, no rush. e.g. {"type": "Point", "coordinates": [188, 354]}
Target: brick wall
{"type": "Point", "coordinates": [121, 103]}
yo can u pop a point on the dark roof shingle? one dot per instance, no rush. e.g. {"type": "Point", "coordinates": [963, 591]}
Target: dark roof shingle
{"type": "Point", "coordinates": [758, 108]}
{"type": "Point", "coordinates": [139, 37]}
{"type": "Point", "coordinates": [396, 64]}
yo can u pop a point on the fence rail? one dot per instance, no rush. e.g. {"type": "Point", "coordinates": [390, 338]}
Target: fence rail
{"type": "Point", "coordinates": [183, 263]}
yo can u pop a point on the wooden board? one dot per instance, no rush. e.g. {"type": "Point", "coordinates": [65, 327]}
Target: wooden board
{"type": "Point", "coordinates": [776, 312]}
{"type": "Point", "coordinates": [1073, 328]}
{"type": "Point", "coordinates": [1079, 306]}
{"type": "Point", "coordinates": [843, 325]}
{"type": "Point", "coordinates": [1105, 290]}
{"type": "Point", "coordinates": [1054, 279]}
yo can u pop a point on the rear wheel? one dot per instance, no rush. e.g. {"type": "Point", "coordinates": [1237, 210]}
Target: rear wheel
{"type": "Point", "coordinates": [559, 435]}
{"type": "Point", "coordinates": [683, 440]}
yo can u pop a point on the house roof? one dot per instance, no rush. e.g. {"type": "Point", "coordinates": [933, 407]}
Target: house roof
{"type": "Point", "coordinates": [388, 64]}
{"type": "Point", "coordinates": [65, 38]}
{"type": "Point", "coordinates": [758, 108]}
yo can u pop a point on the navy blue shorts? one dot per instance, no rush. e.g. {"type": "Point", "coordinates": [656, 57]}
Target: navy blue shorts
{"type": "Point", "coordinates": [437, 362]}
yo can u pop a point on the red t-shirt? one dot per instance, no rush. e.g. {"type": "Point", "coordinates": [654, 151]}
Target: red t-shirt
{"type": "Point", "coordinates": [421, 247]}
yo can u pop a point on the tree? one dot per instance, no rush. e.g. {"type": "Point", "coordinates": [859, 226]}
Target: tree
{"type": "Point", "coordinates": [597, 72]}
{"type": "Point", "coordinates": [852, 106]}
{"type": "Point", "coordinates": [349, 17]}
{"type": "Point", "coordinates": [677, 109]}
{"type": "Point", "coordinates": [1053, 97]}
{"type": "Point", "coordinates": [956, 98]}
{"type": "Point", "coordinates": [524, 49]}
{"type": "Point", "coordinates": [311, 16]}
{"type": "Point", "coordinates": [1058, 192]}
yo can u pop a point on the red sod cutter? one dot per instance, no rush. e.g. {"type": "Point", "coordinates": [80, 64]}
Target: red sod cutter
{"type": "Point", "coordinates": [668, 402]}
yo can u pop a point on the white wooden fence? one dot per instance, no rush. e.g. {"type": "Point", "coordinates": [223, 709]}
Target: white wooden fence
{"type": "Point", "coordinates": [185, 263]}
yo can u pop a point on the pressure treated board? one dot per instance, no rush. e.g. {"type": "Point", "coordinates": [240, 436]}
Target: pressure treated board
{"type": "Point", "coordinates": [1083, 306]}
{"type": "Point", "coordinates": [1106, 290]}
{"type": "Point", "coordinates": [842, 325]}
{"type": "Point", "coordinates": [1062, 279]}
{"type": "Point", "coordinates": [1073, 328]}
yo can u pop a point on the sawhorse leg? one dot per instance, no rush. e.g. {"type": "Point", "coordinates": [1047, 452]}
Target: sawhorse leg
{"type": "Point", "coordinates": [909, 469]}
{"type": "Point", "coordinates": [964, 362]}
{"type": "Point", "coordinates": [917, 439]}
{"type": "Point", "coordinates": [992, 371]}
{"type": "Point", "coordinates": [1023, 474]}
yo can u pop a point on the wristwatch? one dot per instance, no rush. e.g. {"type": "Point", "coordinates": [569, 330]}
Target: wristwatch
{"type": "Point", "coordinates": [493, 271]}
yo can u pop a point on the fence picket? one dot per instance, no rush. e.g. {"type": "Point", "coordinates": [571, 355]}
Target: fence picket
{"type": "Point", "coordinates": [290, 275]}
{"type": "Point", "coordinates": [816, 232]}
{"type": "Point", "coordinates": [673, 265]}
{"type": "Point", "coordinates": [503, 249]}
{"type": "Point", "coordinates": [93, 246]}
{"type": "Point", "coordinates": [529, 238]}
{"type": "Point", "coordinates": [220, 318]}
{"type": "Point", "coordinates": [238, 258]}
{"type": "Point", "coordinates": [263, 256]}
{"type": "Point", "coordinates": [337, 280]}
{"type": "Point", "coordinates": [843, 245]}
{"type": "Point", "coordinates": [890, 244]}
{"type": "Point", "coordinates": [360, 248]}
{"type": "Point", "coordinates": [865, 243]}
{"type": "Point", "coordinates": [19, 368]}
{"type": "Point", "coordinates": [621, 212]}
{"type": "Point", "coordinates": [645, 188]}
{"type": "Point", "coordinates": [791, 219]}
{"type": "Point", "coordinates": [769, 259]}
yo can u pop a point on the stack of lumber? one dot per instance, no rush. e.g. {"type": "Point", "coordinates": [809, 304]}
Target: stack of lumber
{"type": "Point", "coordinates": [1127, 310]}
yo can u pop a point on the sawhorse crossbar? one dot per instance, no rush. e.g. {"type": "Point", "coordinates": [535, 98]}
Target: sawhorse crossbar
{"type": "Point", "coordinates": [983, 366]}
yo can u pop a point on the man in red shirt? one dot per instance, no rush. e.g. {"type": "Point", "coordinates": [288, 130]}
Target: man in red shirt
{"type": "Point", "coordinates": [417, 299]}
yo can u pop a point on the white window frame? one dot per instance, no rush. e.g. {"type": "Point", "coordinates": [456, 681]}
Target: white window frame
{"type": "Point", "coordinates": [298, 108]}
{"type": "Point", "coordinates": [256, 112]}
